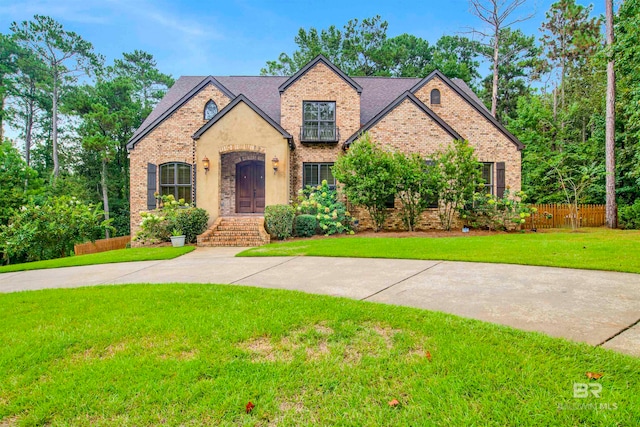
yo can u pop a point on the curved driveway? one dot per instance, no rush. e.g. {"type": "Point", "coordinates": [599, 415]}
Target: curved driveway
{"type": "Point", "coordinates": [596, 307]}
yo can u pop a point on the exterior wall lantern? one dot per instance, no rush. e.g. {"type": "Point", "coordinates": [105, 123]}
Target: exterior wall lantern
{"type": "Point", "coordinates": [205, 164]}
{"type": "Point", "coordinates": [274, 162]}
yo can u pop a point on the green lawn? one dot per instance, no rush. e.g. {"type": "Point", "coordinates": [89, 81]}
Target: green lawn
{"type": "Point", "coordinates": [120, 255]}
{"type": "Point", "coordinates": [595, 248]}
{"type": "Point", "coordinates": [185, 354]}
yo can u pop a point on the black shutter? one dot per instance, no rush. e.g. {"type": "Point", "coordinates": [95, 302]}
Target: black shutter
{"type": "Point", "coordinates": [151, 185]}
{"type": "Point", "coordinates": [500, 179]}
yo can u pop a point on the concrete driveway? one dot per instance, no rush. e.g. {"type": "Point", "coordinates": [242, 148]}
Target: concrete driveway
{"type": "Point", "coordinates": [596, 307]}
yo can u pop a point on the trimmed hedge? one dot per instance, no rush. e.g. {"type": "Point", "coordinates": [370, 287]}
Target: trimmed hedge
{"type": "Point", "coordinates": [305, 225]}
{"type": "Point", "coordinates": [278, 219]}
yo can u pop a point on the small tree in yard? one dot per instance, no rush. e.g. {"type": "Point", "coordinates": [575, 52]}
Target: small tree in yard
{"type": "Point", "coordinates": [369, 178]}
{"type": "Point", "coordinates": [416, 187]}
{"type": "Point", "coordinates": [456, 174]}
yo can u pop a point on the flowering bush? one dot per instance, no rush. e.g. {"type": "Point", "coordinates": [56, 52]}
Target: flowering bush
{"type": "Point", "coordinates": [322, 202]}
{"type": "Point", "coordinates": [157, 226]}
{"type": "Point", "coordinates": [496, 213]}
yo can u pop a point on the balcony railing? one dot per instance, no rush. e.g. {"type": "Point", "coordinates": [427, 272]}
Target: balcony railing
{"type": "Point", "coordinates": [319, 134]}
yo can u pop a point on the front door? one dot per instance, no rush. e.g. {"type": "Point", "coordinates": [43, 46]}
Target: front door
{"type": "Point", "coordinates": [250, 187]}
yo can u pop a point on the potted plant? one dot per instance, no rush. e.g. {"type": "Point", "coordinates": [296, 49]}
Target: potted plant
{"type": "Point", "coordinates": [177, 238]}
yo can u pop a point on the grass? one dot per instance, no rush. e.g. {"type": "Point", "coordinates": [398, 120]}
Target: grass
{"type": "Point", "coordinates": [185, 354]}
{"type": "Point", "coordinates": [594, 249]}
{"type": "Point", "coordinates": [120, 255]}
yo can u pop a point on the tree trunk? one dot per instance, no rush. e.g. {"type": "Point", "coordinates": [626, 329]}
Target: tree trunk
{"type": "Point", "coordinates": [54, 128]}
{"type": "Point", "coordinates": [28, 127]}
{"type": "Point", "coordinates": [494, 89]}
{"type": "Point", "coordinates": [105, 196]}
{"type": "Point", "coordinates": [610, 159]}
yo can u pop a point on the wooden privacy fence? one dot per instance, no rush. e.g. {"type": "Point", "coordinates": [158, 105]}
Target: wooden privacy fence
{"type": "Point", "coordinates": [561, 215]}
{"type": "Point", "coordinates": [102, 245]}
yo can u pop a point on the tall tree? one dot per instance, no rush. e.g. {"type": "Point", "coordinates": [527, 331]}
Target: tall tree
{"type": "Point", "coordinates": [357, 49]}
{"type": "Point", "coordinates": [149, 83]}
{"type": "Point", "coordinates": [570, 36]}
{"type": "Point", "coordinates": [496, 14]}
{"type": "Point", "coordinates": [456, 56]}
{"type": "Point", "coordinates": [109, 115]}
{"type": "Point", "coordinates": [610, 155]}
{"type": "Point", "coordinates": [8, 57]}
{"type": "Point", "coordinates": [66, 54]}
{"type": "Point", "coordinates": [30, 98]}
{"type": "Point", "coordinates": [519, 64]}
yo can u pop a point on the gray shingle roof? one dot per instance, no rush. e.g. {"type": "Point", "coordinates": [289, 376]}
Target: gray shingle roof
{"type": "Point", "coordinates": [377, 94]}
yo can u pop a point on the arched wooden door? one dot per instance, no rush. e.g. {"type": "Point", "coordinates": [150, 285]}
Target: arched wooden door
{"type": "Point", "coordinates": [250, 187]}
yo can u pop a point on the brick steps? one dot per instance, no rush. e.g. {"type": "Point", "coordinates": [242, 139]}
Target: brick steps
{"type": "Point", "coordinates": [235, 231]}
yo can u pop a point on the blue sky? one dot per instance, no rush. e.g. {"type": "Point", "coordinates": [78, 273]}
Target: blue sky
{"type": "Point", "coordinates": [237, 37]}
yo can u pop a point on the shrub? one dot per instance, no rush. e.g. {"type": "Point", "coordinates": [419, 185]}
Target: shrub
{"type": "Point", "coordinates": [322, 202]}
{"type": "Point", "coordinates": [456, 173]}
{"type": "Point", "coordinates": [38, 232]}
{"type": "Point", "coordinates": [157, 225]}
{"type": "Point", "coordinates": [369, 178]}
{"type": "Point", "coordinates": [278, 220]}
{"type": "Point", "coordinates": [416, 188]}
{"type": "Point", "coordinates": [305, 225]}
{"type": "Point", "coordinates": [629, 216]}
{"type": "Point", "coordinates": [191, 221]}
{"type": "Point", "coordinates": [496, 213]}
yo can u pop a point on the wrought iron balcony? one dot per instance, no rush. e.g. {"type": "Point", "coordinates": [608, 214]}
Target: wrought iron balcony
{"type": "Point", "coordinates": [319, 134]}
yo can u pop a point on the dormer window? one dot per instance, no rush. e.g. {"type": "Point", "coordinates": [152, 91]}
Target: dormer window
{"type": "Point", "coordinates": [435, 97]}
{"type": "Point", "coordinates": [319, 122]}
{"type": "Point", "coordinates": [210, 110]}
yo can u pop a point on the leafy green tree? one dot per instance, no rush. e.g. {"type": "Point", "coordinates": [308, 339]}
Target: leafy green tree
{"type": "Point", "coordinates": [416, 187]}
{"type": "Point", "coordinates": [149, 83]}
{"type": "Point", "coordinates": [406, 56]}
{"type": "Point", "coordinates": [356, 50]}
{"type": "Point", "coordinates": [109, 116]}
{"type": "Point", "coordinates": [456, 174]}
{"type": "Point", "coordinates": [14, 175]}
{"type": "Point", "coordinates": [50, 230]}
{"type": "Point", "coordinates": [368, 176]}
{"type": "Point", "coordinates": [627, 56]}
{"type": "Point", "coordinates": [66, 54]}
{"type": "Point", "coordinates": [456, 56]}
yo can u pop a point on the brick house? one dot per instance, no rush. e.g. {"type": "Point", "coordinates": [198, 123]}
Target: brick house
{"type": "Point", "coordinates": [234, 144]}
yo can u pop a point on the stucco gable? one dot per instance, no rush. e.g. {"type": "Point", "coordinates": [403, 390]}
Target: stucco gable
{"type": "Point", "coordinates": [155, 119]}
{"type": "Point", "coordinates": [243, 99]}
{"type": "Point", "coordinates": [319, 59]}
{"type": "Point", "coordinates": [404, 97]}
{"type": "Point", "coordinates": [469, 100]}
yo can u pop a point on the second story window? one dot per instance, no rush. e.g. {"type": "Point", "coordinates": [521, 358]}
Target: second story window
{"type": "Point", "coordinates": [435, 97]}
{"type": "Point", "coordinates": [210, 110]}
{"type": "Point", "coordinates": [319, 122]}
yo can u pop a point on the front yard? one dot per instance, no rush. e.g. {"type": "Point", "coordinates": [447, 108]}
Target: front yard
{"type": "Point", "coordinates": [588, 248]}
{"type": "Point", "coordinates": [120, 255]}
{"type": "Point", "coordinates": [198, 354]}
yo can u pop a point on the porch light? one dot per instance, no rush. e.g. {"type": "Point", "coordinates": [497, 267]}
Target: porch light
{"type": "Point", "coordinates": [275, 162]}
{"type": "Point", "coordinates": [205, 164]}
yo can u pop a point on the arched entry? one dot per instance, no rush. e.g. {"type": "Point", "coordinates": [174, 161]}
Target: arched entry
{"type": "Point", "coordinates": [250, 186]}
